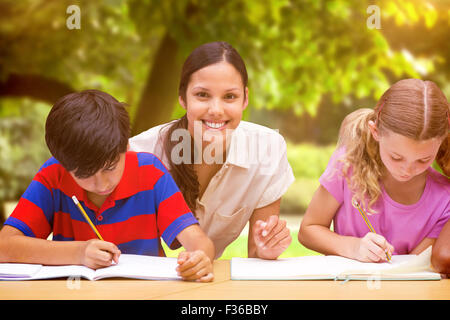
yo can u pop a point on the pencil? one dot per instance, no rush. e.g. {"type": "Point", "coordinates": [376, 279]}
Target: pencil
{"type": "Point", "coordinates": [369, 225]}
{"type": "Point", "coordinates": [78, 204]}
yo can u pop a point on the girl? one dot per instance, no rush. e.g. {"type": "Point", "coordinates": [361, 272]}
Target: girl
{"type": "Point", "coordinates": [230, 172]}
{"type": "Point", "coordinates": [383, 164]}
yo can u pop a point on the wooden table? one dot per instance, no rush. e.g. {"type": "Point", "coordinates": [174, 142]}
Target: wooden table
{"type": "Point", "coordinates": [222, 288]}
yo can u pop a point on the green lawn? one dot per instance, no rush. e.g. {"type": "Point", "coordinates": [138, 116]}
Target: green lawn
{"type": "Point", "coordinates": [238, 248]}
{"type": "Point", "coordinates": [308, 161]}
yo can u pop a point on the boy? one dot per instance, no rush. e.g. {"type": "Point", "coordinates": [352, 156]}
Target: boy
{"type": "Point", "coordinates": [130, 197]}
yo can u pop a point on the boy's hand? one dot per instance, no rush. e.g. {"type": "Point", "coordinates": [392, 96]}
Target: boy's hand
{"type": "Point", "coordinates": [195, 265]}
{"type": "Point", "coordinates": [97, 254]}
{"type": "Point", "coordinates": [271, 237]}
{"type": "Point", "coordinates": [372, 248]}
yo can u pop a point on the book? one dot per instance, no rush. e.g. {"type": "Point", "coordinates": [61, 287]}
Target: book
{"type": "Point", "coordinates": [129, 266]}
{"type": "Point", "coordinates": [401, 267]}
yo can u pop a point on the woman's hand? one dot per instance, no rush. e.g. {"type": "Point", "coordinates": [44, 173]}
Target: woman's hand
{"type": "Point", "coordinates": [271, 237]}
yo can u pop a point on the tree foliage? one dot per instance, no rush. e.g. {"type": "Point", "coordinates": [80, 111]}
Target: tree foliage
{"type": "Point", "coordinates": [299, 54]}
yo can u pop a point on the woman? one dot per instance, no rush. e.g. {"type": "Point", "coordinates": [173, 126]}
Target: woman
{"type": "Point", "coordinates": [230, 171]}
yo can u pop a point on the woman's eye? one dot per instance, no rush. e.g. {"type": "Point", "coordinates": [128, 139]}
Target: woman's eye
{"type": "Point", "coordinates": [230, 96]}
{"type": "Point", "coordinates": [396, 159]}
{"type": "Point", "coordinates": [202, 94]}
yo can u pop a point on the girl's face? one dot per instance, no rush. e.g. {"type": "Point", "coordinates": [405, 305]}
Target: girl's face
{"type": "Point", "coordinates": [215, 100]}
{"type": "Point", "coordinates": [403, 157]}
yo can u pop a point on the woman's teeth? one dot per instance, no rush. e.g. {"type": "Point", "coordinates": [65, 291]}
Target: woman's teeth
{"type": "Point", "coordinates": [214, 125]}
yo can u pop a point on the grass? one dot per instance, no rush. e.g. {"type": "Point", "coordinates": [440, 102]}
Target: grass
{"type": "Point", "coordinates": [298, 195]}
{"type": "Point", "coordinates": [238, 248]}
{"type": "Point", "coordinates": [308, 161]}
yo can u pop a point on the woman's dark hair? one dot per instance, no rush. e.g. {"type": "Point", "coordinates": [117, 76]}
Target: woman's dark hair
{"type": "Point", "coordinates": [87, 131]}
{"type": "Point", "coordinates": [203, 56]}
{"type": "Point", "coordinates": [206, 55]}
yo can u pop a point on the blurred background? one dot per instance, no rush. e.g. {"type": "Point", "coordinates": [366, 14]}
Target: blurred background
{"type": "Point", "coordinates": [310, 63]}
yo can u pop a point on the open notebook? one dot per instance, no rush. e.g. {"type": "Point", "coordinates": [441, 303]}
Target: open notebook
{"type": "Point", "coordinates": [129, 266]}
{"type": "Point", "coordinates": [401, 267]}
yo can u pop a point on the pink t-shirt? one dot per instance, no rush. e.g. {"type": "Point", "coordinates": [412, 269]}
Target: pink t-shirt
{"type": "Point", "coordinates": [404, 226]}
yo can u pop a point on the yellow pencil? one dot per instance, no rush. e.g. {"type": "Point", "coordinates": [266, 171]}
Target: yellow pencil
{"type": "Point", "coordinates": [78, 204]}
{"type": "Point", "coordinates": [369, 225]}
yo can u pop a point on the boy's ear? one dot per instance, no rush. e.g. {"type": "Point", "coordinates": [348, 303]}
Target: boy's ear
{"type": "Point", "coordinates": [374, 131]}
{"type": "Point", "coordinates": [181, 101]}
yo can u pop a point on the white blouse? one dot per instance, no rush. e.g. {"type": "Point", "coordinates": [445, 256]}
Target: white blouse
{"type": "Point", "coordinates": [255, 174]}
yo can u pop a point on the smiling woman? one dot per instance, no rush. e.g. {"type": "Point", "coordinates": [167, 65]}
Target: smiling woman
{"type": "Point", "coordinates": [233, 172]}
{"type": "Point", "coordinates": [216, 98]}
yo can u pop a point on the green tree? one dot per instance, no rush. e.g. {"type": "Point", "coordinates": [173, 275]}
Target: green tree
{"type": "Point", "coordinates": [297, 52]}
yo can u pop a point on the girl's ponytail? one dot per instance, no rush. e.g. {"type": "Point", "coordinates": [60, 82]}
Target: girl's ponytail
{"type": "Point", "coordinates": [362, 156]}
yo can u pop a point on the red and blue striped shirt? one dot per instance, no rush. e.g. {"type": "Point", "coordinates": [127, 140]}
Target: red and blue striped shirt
{"type": "Point", "coordinates": [145, 205]}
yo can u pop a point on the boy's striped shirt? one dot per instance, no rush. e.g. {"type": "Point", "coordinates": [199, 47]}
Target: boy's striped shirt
{"type": "Point", "coordinates": [145, 206]}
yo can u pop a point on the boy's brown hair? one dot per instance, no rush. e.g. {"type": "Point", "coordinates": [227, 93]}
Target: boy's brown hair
{"type": "Point", "coordinates": [87, 131]}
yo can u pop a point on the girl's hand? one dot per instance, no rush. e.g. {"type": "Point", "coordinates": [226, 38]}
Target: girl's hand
{"type": "Point", "coordinates": [271, 237]}
{"type": "Point", "coordinates": [372, 248]}
{"type": "Point", "coordinates": [195, 265]}
{"type": "Point", "coordinates": [97, 254]}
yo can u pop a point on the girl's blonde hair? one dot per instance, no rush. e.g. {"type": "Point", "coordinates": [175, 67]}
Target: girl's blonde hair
{"type": "Point", "coordinates": [413, 108]}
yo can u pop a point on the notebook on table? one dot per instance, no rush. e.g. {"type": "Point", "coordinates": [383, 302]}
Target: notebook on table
{"type": "Point", "coordinates": [401, 267]}
{"type": "Point", "coordinates": [129, 266]}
